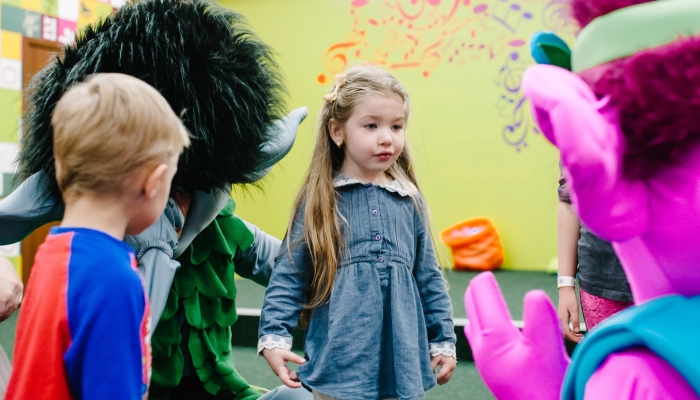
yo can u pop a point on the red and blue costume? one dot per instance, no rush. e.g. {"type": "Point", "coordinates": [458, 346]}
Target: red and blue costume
{"type": "Point", "coordinates": [84, 329]}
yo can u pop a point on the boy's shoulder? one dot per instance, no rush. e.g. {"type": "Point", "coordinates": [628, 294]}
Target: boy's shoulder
{"type": "Point", "coordinates": [94, 257]}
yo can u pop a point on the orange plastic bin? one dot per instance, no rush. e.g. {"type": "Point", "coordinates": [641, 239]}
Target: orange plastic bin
{"type": "Point", "coordinates": [475, 244]}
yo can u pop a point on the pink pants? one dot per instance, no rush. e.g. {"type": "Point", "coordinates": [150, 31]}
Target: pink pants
{"type": "Point", "coordinates": [596, 309]}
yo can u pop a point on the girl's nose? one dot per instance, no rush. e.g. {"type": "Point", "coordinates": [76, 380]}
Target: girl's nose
{"type": "Point", "coordinates": [385, 137]}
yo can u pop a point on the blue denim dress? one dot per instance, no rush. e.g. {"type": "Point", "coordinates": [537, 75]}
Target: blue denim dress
{"type": "Point", "coordinates": [389, 310]}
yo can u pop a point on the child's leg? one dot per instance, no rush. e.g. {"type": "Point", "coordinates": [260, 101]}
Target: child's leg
{"type": "Point", "coordinates": [596, 309]}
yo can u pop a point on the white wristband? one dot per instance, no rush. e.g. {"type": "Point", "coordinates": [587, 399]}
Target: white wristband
{"type": "Point", "coordinates": [565, 281]}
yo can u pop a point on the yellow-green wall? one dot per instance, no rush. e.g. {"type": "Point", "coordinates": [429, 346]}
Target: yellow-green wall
{"type": "Point", "coordinates": [466, 165]}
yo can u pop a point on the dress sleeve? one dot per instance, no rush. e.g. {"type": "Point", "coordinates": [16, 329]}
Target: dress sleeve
{"type": "Point", "coordinates": [285, 296]}
{"type": "Point", "coordinates": [587, 134]}
{"type": "Point", "coordinates": [109, 356]}
{"type": "Point", "coordinates": [437, 307]}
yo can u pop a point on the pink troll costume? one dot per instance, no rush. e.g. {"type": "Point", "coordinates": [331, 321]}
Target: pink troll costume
{"type": "Point", "coordinates": [628, 128]}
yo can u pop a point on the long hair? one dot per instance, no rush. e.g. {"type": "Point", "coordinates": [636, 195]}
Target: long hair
{"type": "Point", "coordinates": [322, 219]}
{"type": "Point", "coordinates": [656, 93]}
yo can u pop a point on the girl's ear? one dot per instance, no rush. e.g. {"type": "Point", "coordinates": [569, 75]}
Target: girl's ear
{"type": "Point", "coordinates": [336, 131]}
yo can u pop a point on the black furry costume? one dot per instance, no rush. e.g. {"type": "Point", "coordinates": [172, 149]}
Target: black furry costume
{"type": "Point", "coordinates": [214, 72]}
{"type": "Point", "coordinates": [221, 79]}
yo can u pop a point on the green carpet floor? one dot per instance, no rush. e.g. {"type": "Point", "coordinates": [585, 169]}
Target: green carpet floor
{"type": "Point", "coordinates": [465, 384]}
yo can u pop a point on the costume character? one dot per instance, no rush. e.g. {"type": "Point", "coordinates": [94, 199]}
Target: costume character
{"type": "Point", "coordinates": [626, 126]}
{"type": "Point", "coordinates": [223, 82]}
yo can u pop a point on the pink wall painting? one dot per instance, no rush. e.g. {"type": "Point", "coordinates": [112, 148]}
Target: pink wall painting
{"type": "Point", "coordinates": [429, 35]}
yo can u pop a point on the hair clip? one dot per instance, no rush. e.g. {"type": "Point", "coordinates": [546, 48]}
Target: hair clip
{"type": "Point", "coordinates": [339, 82]}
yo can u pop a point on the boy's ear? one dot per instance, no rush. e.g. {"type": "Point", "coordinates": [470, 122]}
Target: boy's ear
{"type": "Point", "coordinates": [335, 130]}
{"type": "Point", "coordinates": [154, 180]}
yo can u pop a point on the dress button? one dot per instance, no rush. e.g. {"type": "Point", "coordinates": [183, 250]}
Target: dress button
{"type": "Point", "coordinates": [380, 259]}
{"type": "Point", "coordinates": [384, 282]}
{"type": "Point", "coordinates": [378, 237]}
{"type": "Point", "coordinates": [370, 189]}
{"type": "Point", "coordinates": [375, 212]}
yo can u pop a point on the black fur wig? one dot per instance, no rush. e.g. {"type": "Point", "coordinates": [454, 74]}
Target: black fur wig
{"type": "Point", "coordinates": [216, 74]}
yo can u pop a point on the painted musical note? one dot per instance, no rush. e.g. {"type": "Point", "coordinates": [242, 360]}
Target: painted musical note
{"type": "Point", "coordinates": [512, 104]}
{"type": "Point", "coordinates": [510, 14]}
{"type": "Point", "coordinates": [556, 17]}
{"type": "Point", "coordinates": [335, 59]}
{"type": "Point", "coordinates": [402, 34]}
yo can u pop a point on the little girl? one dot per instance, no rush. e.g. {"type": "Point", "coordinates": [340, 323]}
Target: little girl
{"type": "Point", "coordinates": [358, 264]}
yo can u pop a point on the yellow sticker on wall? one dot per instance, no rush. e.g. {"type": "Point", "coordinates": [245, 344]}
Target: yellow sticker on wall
{"type": "Point", "coordinates": [11, 45]}
{"type": "Point", "coordinates": [87, 12]}
{"type": "Point", "coordinates": [32, 5]}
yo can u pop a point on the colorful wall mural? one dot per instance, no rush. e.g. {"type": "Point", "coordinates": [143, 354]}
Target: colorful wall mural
{"type": "Point", "coordinates": [422, 35]}
{"type": "Point", "coordinates": [477, 150]}
{"type": "Point", "coordinates": [52, 20]}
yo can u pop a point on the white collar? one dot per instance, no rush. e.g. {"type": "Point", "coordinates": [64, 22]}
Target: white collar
{"type": "Point", "coordinates": [393, 186]}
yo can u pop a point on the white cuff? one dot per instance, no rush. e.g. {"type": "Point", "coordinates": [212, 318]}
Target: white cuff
{"type": "Point", "coordinates": [444, 348]}
{"type": "Point", "coordinates": [274, 342]}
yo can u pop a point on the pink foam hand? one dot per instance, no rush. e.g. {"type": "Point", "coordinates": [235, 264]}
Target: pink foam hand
{"type": "Point", "coordinates": [515, 365]}
{"type": "Point", "coordinates": [586, 132]}
{"type": "Point", "coordinates": [566, 108]}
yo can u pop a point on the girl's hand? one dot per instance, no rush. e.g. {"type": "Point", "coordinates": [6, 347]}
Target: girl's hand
{"type": "Point", "coordinates": [448, 365]}
{"type": "Point", "coordinates": [278, 358]}
{"type": "Point", "coordinates": [568, 309]}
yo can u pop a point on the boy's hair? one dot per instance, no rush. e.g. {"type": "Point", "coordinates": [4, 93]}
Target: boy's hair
{"type": "Point", "coordinates": [322, 232]}
{"type": "Point", "coordinates": [108, 126]}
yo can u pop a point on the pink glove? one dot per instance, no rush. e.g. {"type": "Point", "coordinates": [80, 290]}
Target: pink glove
{"type": "Point", "coordinates": [515, 365]}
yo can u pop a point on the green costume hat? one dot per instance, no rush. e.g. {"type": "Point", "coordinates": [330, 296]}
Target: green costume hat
{"type": "Point", "coordinates": [634, 28]}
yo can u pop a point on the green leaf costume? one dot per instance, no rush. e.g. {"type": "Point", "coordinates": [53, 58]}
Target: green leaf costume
{"type": "Point", "coordinates": [204, 292]}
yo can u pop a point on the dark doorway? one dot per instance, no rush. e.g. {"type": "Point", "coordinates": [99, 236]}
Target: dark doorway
{"type": "Point", "coordinates": [36, 54]}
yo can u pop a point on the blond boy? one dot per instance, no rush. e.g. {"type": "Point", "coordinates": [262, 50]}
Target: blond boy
{"type": "Point", "coordinates": [84, 327]}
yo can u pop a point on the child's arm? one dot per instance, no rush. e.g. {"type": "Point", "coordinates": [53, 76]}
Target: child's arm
{"type": "Point", "coordinates": [284, 300]}
{"type": "Point", "coordinates": [108, 357]}
{"type": "Point", "coordinates": [568, 228]}
{"type": "Point", "coordinates": [437, 307]}
{"type": "Point", "coordinates": [568, 231]}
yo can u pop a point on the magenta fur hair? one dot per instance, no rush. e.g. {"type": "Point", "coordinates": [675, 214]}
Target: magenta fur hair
{"type": "Point", "coordinates": [656, 93]}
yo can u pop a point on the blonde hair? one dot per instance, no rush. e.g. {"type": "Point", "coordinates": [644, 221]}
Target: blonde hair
{"type": "Point", "coordinates": [322, 232]}
{"type": "Point", "coordinates": [108, 126]}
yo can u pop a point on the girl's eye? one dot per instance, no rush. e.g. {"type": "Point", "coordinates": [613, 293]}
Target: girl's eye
{"type": "Point", "coordinates": [397, 127]}
{"type": "Point", "coordinates": [371, 126]}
